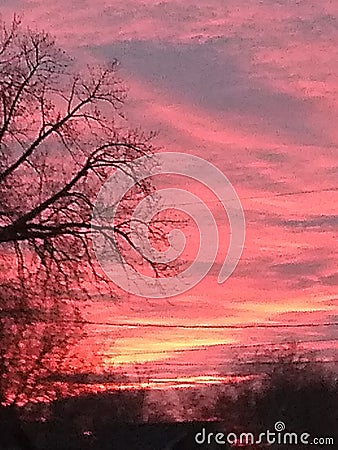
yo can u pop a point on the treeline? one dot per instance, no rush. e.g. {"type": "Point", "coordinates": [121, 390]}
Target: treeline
{"type": "Point", "coordinates": [299, 392]}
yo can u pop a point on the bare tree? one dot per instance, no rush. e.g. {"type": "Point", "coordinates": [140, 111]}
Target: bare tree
{"type": "Point", "coordinates": [62, 133]}
{"type": "Point", "coordinates": [293, 386]}
{"type": "Point", "coordinates": [61, 136]}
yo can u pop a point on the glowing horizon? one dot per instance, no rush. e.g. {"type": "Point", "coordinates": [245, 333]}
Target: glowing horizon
{"type": "Point", "coordinates": [254, 91]}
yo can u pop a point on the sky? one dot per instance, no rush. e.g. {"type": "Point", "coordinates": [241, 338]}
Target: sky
{"type": "Point", "coordinates": [252, 87]}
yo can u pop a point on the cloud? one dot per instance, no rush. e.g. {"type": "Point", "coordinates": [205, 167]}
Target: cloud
{"type": "Point", "coordinates": [253, 89]}
{"type": "Point", "coordinates": [322, 223]}
{"type": "Point", "coordinates": [218, 82]}
{"type": "Point", "coordinates": [330, 280]}
{"type": "Point", "coordinates": [274, 157]}
{"type": "Point", "coordinates": [297, 268]}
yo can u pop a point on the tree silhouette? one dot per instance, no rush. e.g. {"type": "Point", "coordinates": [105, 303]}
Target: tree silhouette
{"type": "Point", "coordinates": [62, 133]}
{"type": "Point", "coordinates": [294, 388]}
{"type": "Point", "coordinates": [299, 391]}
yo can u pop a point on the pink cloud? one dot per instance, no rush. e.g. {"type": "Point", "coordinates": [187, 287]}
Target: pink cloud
{"type": "Point", "coordinates": [254, 90]}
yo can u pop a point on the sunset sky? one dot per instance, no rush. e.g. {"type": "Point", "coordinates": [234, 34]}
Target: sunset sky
{"type": "Point", "coordinates": [251, 86]}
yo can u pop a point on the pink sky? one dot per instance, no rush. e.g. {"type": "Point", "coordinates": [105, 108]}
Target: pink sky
{"type": "Point", "coordinates": [252, 87]}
